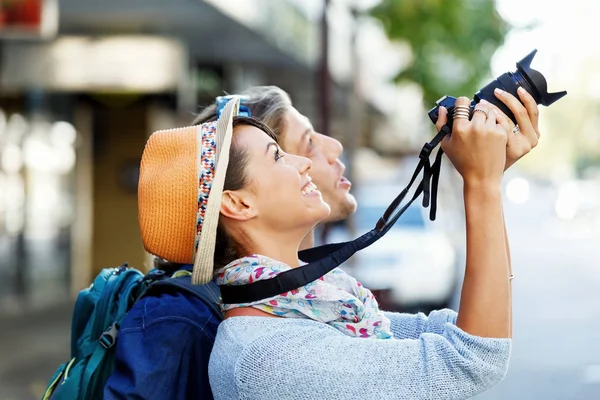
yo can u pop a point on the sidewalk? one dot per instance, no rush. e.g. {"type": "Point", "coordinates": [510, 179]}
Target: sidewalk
{"type": "Point", "coordinates": [32, 345]}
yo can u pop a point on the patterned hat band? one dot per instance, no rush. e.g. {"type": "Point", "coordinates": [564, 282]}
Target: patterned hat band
{"type": "Point", "coordinates": [213, 160]}
{"type": "Point", "coordinates": [207, 142]}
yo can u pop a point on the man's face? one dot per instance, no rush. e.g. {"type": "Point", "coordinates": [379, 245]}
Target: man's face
{"type": "Point", "coordinates": [327, 171]}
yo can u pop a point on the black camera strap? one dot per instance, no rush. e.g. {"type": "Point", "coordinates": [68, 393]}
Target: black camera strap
{"type": "Point", "coordinates": [323, 259]}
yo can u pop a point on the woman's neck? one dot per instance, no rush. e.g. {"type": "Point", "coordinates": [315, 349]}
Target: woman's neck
{"type": "Point", "coordinates": [309, 240]}
{"type": "Point", "coordinates": [287, 255]}
{"type": "Point", "coordinates": [283, 248]}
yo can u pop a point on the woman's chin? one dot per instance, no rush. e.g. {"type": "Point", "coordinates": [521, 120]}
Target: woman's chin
{"type": "Point", "coordinates": [322, 211]}
{"type": "Point", "coordinates": [316, 211]}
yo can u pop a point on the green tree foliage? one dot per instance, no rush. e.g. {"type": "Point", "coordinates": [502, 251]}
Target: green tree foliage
{"type": "Point", "coordinates": [452, 42]}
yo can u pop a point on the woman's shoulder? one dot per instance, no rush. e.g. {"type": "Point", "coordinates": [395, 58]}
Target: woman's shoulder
{"type": "Point", "coordinates": [242, 340]}
{"type": "Point", "coordinates": [254, 323]}
{"type": "Point", "coordinates": [246, 330]}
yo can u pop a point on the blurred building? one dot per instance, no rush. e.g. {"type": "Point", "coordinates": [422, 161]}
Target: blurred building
{"type": "Point", "coordinates": [83, 83]}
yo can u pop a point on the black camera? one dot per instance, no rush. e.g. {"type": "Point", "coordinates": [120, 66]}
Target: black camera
{"type": "Point", "coordinates": [525, 77]}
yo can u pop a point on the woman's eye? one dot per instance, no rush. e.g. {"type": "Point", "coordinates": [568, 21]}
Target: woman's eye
{"type": "Point", "coordinates": [278, 155]}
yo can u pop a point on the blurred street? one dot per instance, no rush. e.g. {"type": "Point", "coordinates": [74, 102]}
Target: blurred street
{"type": "Point", "coordinates": [555, 303]}
{"type": "Point", "coordinates": [32, 345]}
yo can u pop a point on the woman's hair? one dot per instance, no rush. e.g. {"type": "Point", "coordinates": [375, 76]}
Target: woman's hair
{"type": "Point", "coordinates": [226, 249]}
{"type": "Point", "coordinates": [266, 103]}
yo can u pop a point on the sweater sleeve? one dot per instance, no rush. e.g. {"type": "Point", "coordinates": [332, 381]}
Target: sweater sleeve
{"type": "Point", "coordinates": [307, 363]}
{"type": "Point", "coordinates": [411, 326]}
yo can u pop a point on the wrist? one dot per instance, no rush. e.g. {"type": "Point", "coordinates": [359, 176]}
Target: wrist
{"type": "Point", "coordinates": [485, 187]}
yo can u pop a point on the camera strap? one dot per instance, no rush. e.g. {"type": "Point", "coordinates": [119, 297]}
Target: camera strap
{"type": "Point", "coordinates": [323, 259]}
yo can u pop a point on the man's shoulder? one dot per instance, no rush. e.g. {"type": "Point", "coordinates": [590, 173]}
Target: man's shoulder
{"type": "Point", "coordinates": [168, 307]}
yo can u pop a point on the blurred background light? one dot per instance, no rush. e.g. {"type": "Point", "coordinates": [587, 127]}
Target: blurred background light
{"type": "Point", "coordinates": [567, 202]}
{"type": "Point", "coordinates": [63, 134]}
{"type": "Point", "coordinates": [517, 190]}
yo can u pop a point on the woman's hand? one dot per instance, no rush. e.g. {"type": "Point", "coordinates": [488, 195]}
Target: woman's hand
{"type": "Point", "coordinates": [527, 115]}
{"type": "Point", "coordinates": [476, 147]}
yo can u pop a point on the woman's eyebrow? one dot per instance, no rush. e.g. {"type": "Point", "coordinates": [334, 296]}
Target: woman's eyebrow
{"type": "Point", "coordinates": [269, 146]}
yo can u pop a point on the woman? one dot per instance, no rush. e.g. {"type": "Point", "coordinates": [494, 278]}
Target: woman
{"type": "Point", "coordinates": [250, 215]}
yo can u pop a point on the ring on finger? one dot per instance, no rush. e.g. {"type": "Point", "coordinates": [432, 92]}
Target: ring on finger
{"type": "Point", "coordinates": [462, 112]}
{"type": "Point", "coordinates": [463, 115]}
{"type": "Point", "coordinates": [516, 130]}
{"type": "Point", "coordinates": [481, 110]}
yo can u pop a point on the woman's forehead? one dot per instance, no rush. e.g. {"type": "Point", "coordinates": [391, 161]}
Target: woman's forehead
{"type": "Point", "coordinates": [251, 137]}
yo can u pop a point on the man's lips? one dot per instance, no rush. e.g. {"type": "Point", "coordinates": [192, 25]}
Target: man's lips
{"type": "Point", "coordinates": [344, 182]}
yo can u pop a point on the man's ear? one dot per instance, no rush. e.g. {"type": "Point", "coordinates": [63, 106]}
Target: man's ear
{"type": "Point", "coordinates": [237, 205]}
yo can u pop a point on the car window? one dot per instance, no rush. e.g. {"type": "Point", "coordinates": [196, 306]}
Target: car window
{"type": "Point", "coordinates": [366, 217]}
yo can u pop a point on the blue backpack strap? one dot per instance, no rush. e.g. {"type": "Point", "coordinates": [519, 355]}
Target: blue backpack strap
{"type": "Point", "coordinates": [181, 281]}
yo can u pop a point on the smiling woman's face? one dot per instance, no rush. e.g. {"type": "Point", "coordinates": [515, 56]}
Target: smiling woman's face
{"type": "Point", "coordinates": [279, 187]}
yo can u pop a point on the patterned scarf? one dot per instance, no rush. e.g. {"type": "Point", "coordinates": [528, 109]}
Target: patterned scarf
{"type": "Point", "coordinates": [336, 298]}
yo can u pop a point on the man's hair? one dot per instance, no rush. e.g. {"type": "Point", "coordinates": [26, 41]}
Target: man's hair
{"type": "Point", "coordinates": [266, 103]}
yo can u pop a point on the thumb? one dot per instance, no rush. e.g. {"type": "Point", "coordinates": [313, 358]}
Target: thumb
{"type": "Point", "coordinates": [442, 118]}
{"type": "Point", "coordinates": [446, 143]}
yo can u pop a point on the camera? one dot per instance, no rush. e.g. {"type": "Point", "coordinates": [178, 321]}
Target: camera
{"type": "Point", "coordinates": [525, 77]}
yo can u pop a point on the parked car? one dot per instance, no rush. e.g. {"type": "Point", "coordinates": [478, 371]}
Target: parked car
{"type": "Point", "coordinates": [413, 267]}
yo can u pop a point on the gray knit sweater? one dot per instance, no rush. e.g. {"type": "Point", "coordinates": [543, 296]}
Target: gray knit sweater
{"type": "Point", "coordinates": [261, 358]}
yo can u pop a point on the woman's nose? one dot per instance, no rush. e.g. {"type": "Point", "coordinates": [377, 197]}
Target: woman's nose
{"type": "Point", "coordinates": [303, 164]}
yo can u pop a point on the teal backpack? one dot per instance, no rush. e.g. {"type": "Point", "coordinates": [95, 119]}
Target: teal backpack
{"type": "Point", "coordinates": [97, 315]}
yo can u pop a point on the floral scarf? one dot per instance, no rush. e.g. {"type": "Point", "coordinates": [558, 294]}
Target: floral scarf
{"type": "Point", "coordinates": [336, 298]}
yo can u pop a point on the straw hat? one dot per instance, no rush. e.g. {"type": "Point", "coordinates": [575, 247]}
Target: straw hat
{"type": "Point", "coordinates": [179, 195]}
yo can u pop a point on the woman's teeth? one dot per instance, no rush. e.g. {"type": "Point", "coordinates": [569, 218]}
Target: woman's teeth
{"type": "Point", "coordinates": [311, 187]}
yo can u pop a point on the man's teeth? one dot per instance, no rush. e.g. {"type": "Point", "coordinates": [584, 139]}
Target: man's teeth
{"type": "Point", "coordinates": [311, 187]}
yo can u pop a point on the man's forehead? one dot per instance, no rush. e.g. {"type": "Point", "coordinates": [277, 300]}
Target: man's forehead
{"type": "Point", "coordinates": [306, 122]}
{"type": "Point", "coordinates": [298, 118]}
{"type": "Point", "coordinates": [300, 125]}
{"type": "Point", "coordinates": [305, 126]}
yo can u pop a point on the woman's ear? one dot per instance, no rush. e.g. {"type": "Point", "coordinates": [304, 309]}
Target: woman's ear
{"type": "Point", "coordinates": [237, 205]}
